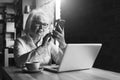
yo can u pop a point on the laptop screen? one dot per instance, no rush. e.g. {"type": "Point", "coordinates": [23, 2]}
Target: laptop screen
{"type": "Point", "coordinates": [79, 56]}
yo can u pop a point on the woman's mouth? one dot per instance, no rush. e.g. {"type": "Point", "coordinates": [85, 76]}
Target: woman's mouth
{"type": "Point", "coordinates": [40, 31]}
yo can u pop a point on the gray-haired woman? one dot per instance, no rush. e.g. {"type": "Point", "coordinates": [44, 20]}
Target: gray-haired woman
{"type": "Point", "coordinates": [37, 44]}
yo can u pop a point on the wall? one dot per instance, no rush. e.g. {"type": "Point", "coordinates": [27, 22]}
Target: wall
{"type": "Point", "coordinates": [95, 21]}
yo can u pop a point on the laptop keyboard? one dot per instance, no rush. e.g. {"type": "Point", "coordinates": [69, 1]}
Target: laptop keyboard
{"type": "Point", "coordinates": [55, 67]}
{"type": "Point", "coordinates": [52, 66]}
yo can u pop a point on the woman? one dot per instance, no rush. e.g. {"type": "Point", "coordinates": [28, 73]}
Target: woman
{"type": "Point", "coordinates": [40, 42]}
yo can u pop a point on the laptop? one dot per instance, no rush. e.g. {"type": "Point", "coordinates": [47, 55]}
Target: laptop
{"type": "Point", "coordinates": [77, 57]}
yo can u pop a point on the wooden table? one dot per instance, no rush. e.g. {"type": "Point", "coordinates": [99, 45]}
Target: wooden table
{"type": "Point", "coordinates": [91, 74]}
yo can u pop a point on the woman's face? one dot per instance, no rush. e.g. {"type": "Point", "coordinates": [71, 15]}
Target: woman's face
{"type": "Point", "coordinates": [40, 27]}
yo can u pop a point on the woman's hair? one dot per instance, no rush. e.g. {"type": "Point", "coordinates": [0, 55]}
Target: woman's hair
{"type": "Point", "coordinates": [35, 15]}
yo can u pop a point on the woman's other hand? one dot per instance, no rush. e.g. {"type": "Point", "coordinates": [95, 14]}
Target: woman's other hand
{"type": "Point", "coordinates": [46, 39]}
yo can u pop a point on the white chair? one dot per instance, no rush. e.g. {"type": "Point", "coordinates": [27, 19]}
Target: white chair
{"type": "Point", "coordinates": [7, 56]}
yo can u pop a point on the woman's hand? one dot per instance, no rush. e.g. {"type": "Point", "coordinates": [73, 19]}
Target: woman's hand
{"type": "Point", "coordinates": [59, 35]}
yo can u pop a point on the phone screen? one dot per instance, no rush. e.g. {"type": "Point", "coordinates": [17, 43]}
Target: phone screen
{"type": "Point", "coordinates": [60, 23]}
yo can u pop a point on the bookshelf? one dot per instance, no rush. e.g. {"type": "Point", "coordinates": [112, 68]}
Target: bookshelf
{"type": "Point", "coordinates": [7, 30]}
{"type": "Point", "coordinates": [13, 22]}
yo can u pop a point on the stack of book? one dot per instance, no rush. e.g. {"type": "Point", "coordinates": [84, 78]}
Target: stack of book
{"type": "Point", "coordinates": [10, 33]}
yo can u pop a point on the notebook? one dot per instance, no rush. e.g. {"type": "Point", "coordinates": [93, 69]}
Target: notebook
{"type": "Point", "coordinates": [77, 57]}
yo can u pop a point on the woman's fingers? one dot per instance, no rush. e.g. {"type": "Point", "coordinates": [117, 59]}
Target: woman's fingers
{"type": "Point", "coordinates": [46, 39]}
{"type": "Point", "coordinates": [60, 29]}
{"type": "Point", "coordinates": [57, 34]}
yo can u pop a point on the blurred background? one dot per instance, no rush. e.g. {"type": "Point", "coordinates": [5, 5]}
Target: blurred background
{"type": "Point", "coordinates": [95, 21]}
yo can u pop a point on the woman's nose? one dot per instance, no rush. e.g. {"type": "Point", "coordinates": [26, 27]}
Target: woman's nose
{"type": "Point", "coordinates": [41, 30]}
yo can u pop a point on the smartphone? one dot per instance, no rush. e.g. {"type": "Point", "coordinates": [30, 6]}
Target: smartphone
{"type": "Point", "coordinates": [59, 22]}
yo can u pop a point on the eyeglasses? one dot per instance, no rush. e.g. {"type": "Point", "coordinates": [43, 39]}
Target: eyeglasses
{"type": "Point", "coordinates": [41, 25]}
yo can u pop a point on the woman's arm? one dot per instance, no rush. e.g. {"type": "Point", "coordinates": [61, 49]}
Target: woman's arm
{"type": "Point", "coordinates": [56, 52]}
{"type": "Point", "coordinates": [22, 55]}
